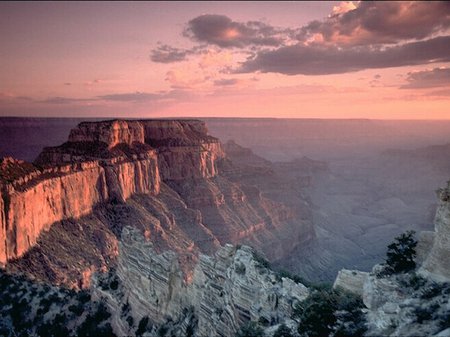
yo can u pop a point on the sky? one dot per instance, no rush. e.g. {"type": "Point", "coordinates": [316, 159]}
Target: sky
{"type": "Point", "coordinates": [378, 60]}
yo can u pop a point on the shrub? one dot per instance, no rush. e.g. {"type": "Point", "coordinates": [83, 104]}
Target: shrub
{"type": "Point", "coordinates": [251, 329]}
{"type": "Point", "coordinates": [316, 314]}
{"type": "Point", "coordinates": [296, 278]}
{"type": "Point", "coordinates": [261, 261]}
{"type": "Point", "coordinates": [444, 320]}
{"type": "Point", "coordinates": [331, 311]}
{"type": "Point", "coordinates": [240, 269]}
{"type": "Point", "coordinates": [424, 313]}
{"type": "Point", "coordinates": [142, 326]}
{"type": "Point", "coordinates": [283, 331]}
{"type": "Point", "coordinates": [433, 289]}
{"type": "Point", "coordinates": [401, 254]}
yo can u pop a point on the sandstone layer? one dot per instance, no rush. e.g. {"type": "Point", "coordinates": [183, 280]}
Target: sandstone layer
{"type": "Point", "coordinates": [225, 291]}
{"type": "Point", "coordinates": [168, 178]}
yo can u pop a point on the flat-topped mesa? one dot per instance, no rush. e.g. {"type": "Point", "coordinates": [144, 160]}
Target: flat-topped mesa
{"type": "Point", "coordinates": [185, 150]}
{"type": "Point", "coordinates": [101, 161]}
{"type": "Point", "coordinates": [109, 132]}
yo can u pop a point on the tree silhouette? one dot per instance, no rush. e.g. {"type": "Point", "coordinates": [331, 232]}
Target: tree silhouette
{"type": "Point", "coordinates": [401, 253]}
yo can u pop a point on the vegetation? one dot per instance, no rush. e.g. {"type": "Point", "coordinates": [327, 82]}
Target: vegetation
{"type": "Point", "coordinates": [33, 309]}
{"type": "Point", "coordinates": [330, 312]}
{"type": "Point", "coordinates": [251, 329]}
{"type": "Point", "coordinates": [283, 331]}
{"type": "Point", "coordinates": [401, 254]}
{"type": "Point", "coordinates": [142, 326]}
{"type": "Point", "coordinates": [261, 261]}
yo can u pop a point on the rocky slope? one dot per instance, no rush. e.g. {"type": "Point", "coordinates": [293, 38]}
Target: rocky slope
{"type": "Point", "coordinates": [410, 304]}
{"type": "Point", "coordinates": [225, 291]}
{"type": "Point", "coordinates": [165, 177]}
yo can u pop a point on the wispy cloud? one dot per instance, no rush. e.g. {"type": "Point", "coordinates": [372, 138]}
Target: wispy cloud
{"type": "Point", "coordinates": [437, 77]}
{"type": "Point", "coordinates": [167, 54]}
{"type": "Point", "coordinates": [65, 100]}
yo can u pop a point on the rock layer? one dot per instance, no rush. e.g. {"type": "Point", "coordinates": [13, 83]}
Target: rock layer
{"type": "Point", "coordinates": [225, 291]}
{"type": "Point", "coordinates": [437, 263]}
{"type": "Point", "coordinates": [32, 204]}
{"type": "Point", "coordinates": [207, 200]}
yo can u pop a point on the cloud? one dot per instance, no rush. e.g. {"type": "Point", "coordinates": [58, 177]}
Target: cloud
{"type": "Point", "coordinates": [65, 100]}
{"type": "Point", "coordinates": [93, 82]}
{"type": "Point", "coordinates": [221, 31]}
{"type": "Point", "coordinates": [226, 82]}
{"type": "Point", "coordinates": [12, 98]}
{"type": "Point", "coordinates": [344, 7]}
{"type": "Point", "coordinates": [167, 54]}
{"type": "Point", "coordinates": [130, 97]}
{"type": "Point", "coordinates": [439, 93]}
{"type": "Point", "coordinates": [379, 22]}
{"type": "Point", "coordinates": [323, 60]}
{"type": "Point", "coordinates": [142, 97]}
{"type": "Point", "coordinates": [437, 77]}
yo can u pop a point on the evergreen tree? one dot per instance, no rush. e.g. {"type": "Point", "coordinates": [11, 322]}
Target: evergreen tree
{"type": "Point", "coordinates": [401, 253]}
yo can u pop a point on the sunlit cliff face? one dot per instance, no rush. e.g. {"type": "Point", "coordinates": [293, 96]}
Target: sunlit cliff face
{"type": "Point", "coordinates": [291, 59]}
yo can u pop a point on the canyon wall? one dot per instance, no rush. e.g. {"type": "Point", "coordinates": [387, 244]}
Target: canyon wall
{"type": "Point", "coordinates": [437, 263]}
{"type": "Point", "coordinates": [168, 178]}
{"type": "Point", "coordinates": [226, 290]}
{"type": "Point", "coordinates": [100, 162]}
{"type": "Point", "coordinates": [32, 204]}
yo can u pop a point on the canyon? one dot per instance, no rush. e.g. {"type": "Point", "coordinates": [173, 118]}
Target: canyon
{"type": "Point", "coordinates": [167, 230]}
{"type": "Point", "coordinates": [168, 178]}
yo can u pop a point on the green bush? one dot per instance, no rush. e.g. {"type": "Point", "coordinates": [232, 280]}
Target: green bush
{"type": "Point", "coordinates": [283, 331]}
{"type": "Point", "coordinates": [251, 329]}
{"type": "Point", "coordinates": [240, 268]}
{"type": "Point", "coordinates": [330, 311]}
{"type": "Point", "coordinates": [401, 254]}
{"type": "Point", "coordinates": [261, 261]}
{"type": "Point", "coordinates": [142, 326]}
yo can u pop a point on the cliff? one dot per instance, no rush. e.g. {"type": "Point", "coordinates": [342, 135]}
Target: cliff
{"type": "Point", "coordinates": [225, 291]}
{"type": "Point", "coordinates": [437, 263]}
{"type": "Point", "coordinates": [168, 178]}
{"type": "Point", "coordinates": [33, 202]}
{"type": "Point", "coordinates": [414, 303]}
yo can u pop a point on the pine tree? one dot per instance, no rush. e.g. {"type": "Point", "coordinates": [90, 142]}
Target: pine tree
{"type": "Point", "coordinates": [401, 253]}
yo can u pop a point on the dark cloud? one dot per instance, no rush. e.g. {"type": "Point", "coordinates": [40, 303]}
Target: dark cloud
{"type": "Point", "coordinates": [438, 77]}
{"type": "Point", "coordinates": [382, 22]}
{"type": "Point", "coordinates": [140, 97]}
{"type": "Point", "coordinates": [220, 30]}
{"type": "Point", "coordinates": [65, 100]}
{"type": "Point", "coordinates": [168, 54]}
{"type": "Point", "coordinates": [226, 82]}
{"type": "Point", "coordinates": [67, 83]}
{"type": "Point", "coordinates": [322, 60]}
{"type": "Point", "coordinates": [377, 76]}
{"type": "Point", "coordinates": [130, 97]}
{"type": "Point", "coordinates": [439, 93]}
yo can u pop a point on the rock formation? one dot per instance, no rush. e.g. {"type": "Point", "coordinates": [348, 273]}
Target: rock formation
{"type": "Point", "coordinates": [410, 304]}
{"type": "Point", "coordinates": [174, 181]}
{"type": "Point", "coordinates": [225, 291]}
{"type": "Point", "coordinates": [437, 262]}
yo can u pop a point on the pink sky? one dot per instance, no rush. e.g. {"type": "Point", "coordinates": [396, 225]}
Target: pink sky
{"type": "Point", "coordinates": [383, 60]}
